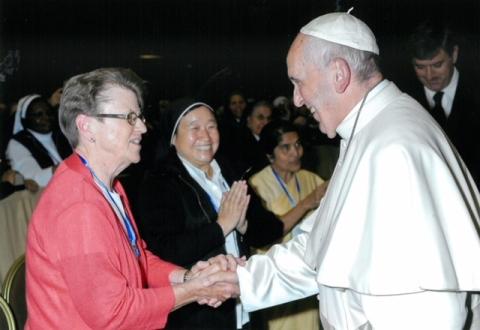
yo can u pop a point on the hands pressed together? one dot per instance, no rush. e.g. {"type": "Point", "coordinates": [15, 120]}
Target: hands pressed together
{"type": "Point", "coordinates": [233, 209]}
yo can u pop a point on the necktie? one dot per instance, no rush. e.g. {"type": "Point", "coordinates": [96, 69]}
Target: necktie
{"type": "Point", "coordinates": [437, 111]}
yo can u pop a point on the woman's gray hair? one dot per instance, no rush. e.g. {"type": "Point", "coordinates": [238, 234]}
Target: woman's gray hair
{"type": "Point", "coordinates": [322, 52]}
{"type": "Point", "coordinates": [84, 93]}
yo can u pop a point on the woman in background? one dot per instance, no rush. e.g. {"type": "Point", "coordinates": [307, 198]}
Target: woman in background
{"type": "Point", "coordinates": [35, 150]}
{"type": "Point", "coordinates": [286, 188]}
{"type": "Point", "coordinates": [250, 155]}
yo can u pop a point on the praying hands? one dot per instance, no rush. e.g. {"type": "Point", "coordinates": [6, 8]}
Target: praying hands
{"type": "Point", "coordinates": [233, 209]}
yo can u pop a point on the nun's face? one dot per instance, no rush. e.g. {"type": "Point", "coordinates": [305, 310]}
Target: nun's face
{"type": "Point", "coordinates": [197, 137]}
{"type": "Point", "coordinates": [39, 117]}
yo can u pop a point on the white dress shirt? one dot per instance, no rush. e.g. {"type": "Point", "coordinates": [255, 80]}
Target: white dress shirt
{"type": "Point", "coordinates": [448, 94]}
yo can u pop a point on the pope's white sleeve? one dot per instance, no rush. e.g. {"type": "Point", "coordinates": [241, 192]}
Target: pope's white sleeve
{"type": "Point", "coordinates": [279, 276]}
{"type": "Point", "coordinates": [22, 161]}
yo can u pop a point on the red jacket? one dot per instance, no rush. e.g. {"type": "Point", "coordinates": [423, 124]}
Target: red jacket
{"type": "Point", "coordinates": [80, 270]}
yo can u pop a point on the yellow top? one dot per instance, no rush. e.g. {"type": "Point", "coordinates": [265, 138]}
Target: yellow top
{"type": "Point", "coordinates": [303, 313]}
{"type": "Point", "coordinates": [274, 197]}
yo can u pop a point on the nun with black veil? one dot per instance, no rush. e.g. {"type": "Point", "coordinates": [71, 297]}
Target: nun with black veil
{"type": "Point", "coordinates": [185, 213]}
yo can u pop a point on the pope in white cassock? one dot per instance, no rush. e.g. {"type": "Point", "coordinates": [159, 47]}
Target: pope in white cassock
{"type": "Point", "coordinates": [395, 242]}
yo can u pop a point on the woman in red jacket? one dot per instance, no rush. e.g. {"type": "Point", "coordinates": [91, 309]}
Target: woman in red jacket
{"type": "Point", "coordinates": [87, 267]}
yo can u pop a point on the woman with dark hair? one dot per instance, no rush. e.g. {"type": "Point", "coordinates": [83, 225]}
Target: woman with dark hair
{"type": "Point", "coordinates": [36, 149]}
{"type": "Point", "coordinates": [286, 188]}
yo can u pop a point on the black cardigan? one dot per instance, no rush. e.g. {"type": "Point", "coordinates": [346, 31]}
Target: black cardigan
{"type": "Point", "coordinates": [178, 223]}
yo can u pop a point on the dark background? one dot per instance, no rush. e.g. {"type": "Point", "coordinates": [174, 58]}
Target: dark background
{"type": "Point", "coordinates": [212, 46]}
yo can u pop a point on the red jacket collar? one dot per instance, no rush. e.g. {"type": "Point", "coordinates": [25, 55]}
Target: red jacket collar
{"type": "Point", "coordinates": [75, 163]}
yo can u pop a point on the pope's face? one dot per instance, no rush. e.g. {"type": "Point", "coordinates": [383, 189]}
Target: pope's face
{"type": "Point", "coordinates": [313, 87]}
{"type": "Point", "coordinates": [197, 137]}
{"type": "Point", "coordinates": [435, 73]}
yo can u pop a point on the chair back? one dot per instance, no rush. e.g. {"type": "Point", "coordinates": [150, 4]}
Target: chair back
{"type": "Point", "coordinates": [7, 321]}
{"type": "Point", "coordinates": [13, 291]}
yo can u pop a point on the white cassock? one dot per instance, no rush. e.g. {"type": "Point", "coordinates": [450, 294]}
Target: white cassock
{"type": "Point", "coordinates": [400, 216]}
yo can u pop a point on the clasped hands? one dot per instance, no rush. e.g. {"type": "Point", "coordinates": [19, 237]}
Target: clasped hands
{"type": "Point", "coordinates": [233, 209]}
{"type": "Point", "coordinates": [215, 280]}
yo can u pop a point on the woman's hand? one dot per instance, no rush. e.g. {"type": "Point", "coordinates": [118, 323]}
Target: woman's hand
{"type": "Point", "coordinates": [31, 185]}
{"type": "Point", "coordinates": [9, 176]}
{"type": "Point", "coordinates": [209, 282]}
{"type": "Point", "coordinates": [313, 199]}
{"type": "Point", "coordinates": [243, 223]}
{"type": "Point", "coordinates": [233, 208]}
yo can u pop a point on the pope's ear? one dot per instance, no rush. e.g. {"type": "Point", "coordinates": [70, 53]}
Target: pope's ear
{"type": "Point", "coordinates": [343, 75]}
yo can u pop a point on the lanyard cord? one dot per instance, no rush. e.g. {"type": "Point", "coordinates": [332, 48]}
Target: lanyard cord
{"type": "Point", "coordinates": [132, 237]}
{"type": "Point", "coordinates": [282, 184]}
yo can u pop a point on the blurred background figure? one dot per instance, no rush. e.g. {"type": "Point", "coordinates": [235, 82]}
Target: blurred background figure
{"type": "Point", "coordinates": [448, 92]}
{"type": "Point", "coordinates": [285, 187]}
{"type": "Point", "coordinates": [232, 125]}
{"type": "Point", "coordinates": [36, 149]}
{"type": "Point", "coordinates": [282, 108]}
{"type": "Point", "coordinates": [250, 156]}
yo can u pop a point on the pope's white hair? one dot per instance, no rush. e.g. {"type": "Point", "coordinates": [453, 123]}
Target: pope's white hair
{"type": "Point", "coordinates": [321, 52]}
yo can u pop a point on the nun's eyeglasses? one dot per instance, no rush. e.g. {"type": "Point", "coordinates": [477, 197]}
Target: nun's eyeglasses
{"type": "Point", "coordinates": [130, 117]}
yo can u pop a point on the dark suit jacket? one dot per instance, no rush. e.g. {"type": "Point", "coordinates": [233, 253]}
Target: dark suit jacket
{"type": "Point", "coordinates": [178, 222]}
{"type": "Point", "coordinates": [463, 123]}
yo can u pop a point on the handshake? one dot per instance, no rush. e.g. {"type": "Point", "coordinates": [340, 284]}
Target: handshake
{"type": "Point", "coordinates": [208, 282]}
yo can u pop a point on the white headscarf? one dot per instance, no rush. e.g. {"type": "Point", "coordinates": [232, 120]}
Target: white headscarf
{"type": "Point", "coordinates": [21, 113]}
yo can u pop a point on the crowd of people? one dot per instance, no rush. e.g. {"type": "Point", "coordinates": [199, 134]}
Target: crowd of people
{"type": "Point", "coordinates": [225, 227]}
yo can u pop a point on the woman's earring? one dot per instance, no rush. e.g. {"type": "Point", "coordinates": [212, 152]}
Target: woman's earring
{"type": "Point", "coordinates": [92, 140]}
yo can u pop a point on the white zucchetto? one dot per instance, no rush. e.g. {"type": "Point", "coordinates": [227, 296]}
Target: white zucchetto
{"type": "Point", "coordinates": [344, 29]}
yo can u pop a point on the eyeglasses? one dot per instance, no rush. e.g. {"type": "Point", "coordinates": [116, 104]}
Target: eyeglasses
{"type": "Point", "coordinates": [130, 117]}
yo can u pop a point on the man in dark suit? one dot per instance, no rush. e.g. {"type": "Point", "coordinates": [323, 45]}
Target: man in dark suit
{"type": "Point", "coordinates": [451, 96]}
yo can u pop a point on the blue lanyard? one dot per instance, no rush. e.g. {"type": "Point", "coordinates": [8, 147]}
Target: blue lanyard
{"type": "Point", "coordinates": [282, 184]}
{"type": "Point", "coordinates": [132, 237]}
